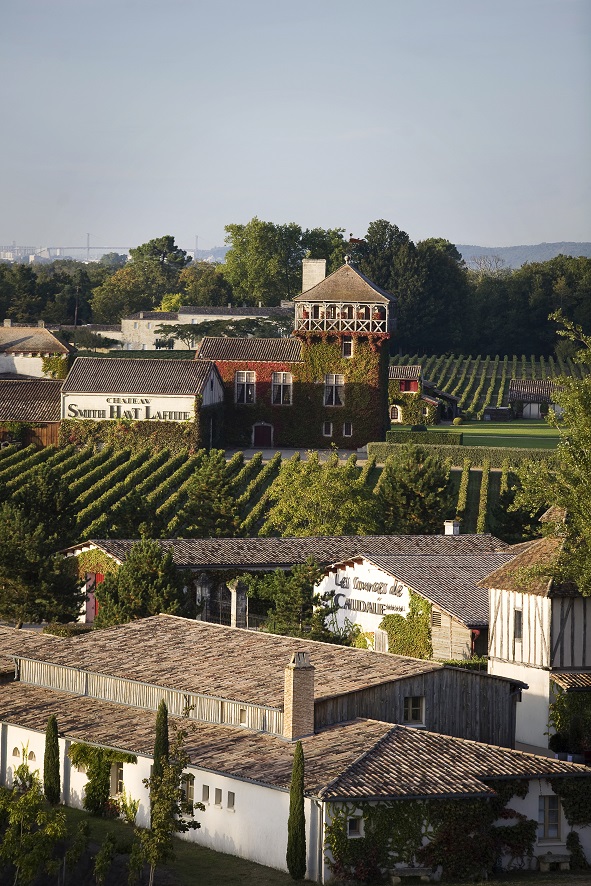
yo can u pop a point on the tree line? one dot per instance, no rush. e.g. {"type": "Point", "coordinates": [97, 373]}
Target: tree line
{"type": "Point", "coordinates": [443, 305]}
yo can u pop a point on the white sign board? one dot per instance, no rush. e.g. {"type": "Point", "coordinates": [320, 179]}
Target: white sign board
{"type": "Point", "coordinates": [130, 406]}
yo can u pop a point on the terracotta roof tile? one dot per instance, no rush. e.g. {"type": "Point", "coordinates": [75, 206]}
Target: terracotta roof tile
{"type": "Point", "coordinates": [104, 375]}
{"type": "Point", "coordinates": [571, 681]}
{"type": "Point", "coordinates": [273, 350]}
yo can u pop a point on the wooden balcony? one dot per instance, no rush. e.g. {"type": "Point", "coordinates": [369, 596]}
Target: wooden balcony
{"type": "Point", "coordinates": [326, 317]}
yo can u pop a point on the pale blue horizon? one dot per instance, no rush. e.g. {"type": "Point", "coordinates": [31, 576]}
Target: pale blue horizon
{"type": "Point", "coordinates": [129, 119]}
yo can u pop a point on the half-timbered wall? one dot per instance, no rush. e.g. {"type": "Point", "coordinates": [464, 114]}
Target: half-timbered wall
{"type": "Point", "coordinates": [533, 649]}
{"type": "Point", "coordinates": [456, 702]}
{"type": "Point", "coordinates": [571, 621]}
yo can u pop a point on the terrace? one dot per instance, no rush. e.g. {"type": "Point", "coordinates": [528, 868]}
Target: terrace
{"type": "Point", "coordinates": [320, 316]}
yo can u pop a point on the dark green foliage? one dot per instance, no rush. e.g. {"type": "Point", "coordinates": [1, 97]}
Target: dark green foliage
{"type": "Point", "coordinates": [148, 583]}
{"type": "Point", "coordinates": [570, 716]}
{"type": "Point", "coordinates": [422, 438]}
{"type": "Point", "coordinates": [104, 859]}
{"type": "Point", "coordinates": [211, 510]}
{"type": "Point", "coordinates": [290, 595]}
{"type": "Point", "coordinates": [410, 635]}
{"type": "Point", "coordinates": [413, 494]}
{"type": "Point", "coordinates": [51, 763]}
{"type": "Point", "coordinates": [161, 741]}
{"type": "Point", "coordinates": [98, 762]}
{"type": "Point", "coordinates": [510, 522]}
{"type": "Point", "coordinates": [578, 860]}
{"type": "Point", "coordinates": [296, 824]}
{"type": "Point", "coordinates": [456, 454]}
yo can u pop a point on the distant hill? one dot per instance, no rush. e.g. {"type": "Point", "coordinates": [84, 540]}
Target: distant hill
{"type": "Point", "coordinates": [515, 256]}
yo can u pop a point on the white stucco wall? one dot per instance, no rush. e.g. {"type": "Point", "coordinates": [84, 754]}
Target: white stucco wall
{"type": "Point", "coordinates": [532, 711]}
{"type": "Point", "coordinates": [365, 594]}
{"type": "Point", "coordinates": [22, 365]}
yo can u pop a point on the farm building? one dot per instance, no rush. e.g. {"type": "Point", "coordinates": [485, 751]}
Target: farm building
{"type": "Point", "coordinates": [211, 559]}
{"type": "Point", "coordinates": [369, 588]}
{"type": "Point", "coordinates": [30, 410]}
{"type": "Point", "coordinates": [538, 634]}
{"type": "Point", "coordinates": [415, 400]}
{"type": "Point", "coordinates": [532, 397]}
{"type": "Point", "coordinates": [249, 698]}
{"type": "Point", "coordinates": [31, 351]}
{"type": "Point", "coordinates": [327, 383]}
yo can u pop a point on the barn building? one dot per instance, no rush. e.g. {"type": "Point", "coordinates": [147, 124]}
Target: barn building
{"type": "Point", "coordinates": [26, 350]}
{"type": "Point", "coordinates": [249, 698]}
{"type": "Point", "coordinates": [533, 397]}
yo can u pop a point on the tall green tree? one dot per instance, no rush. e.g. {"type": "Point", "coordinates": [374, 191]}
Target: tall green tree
{"type": "Point", "coordinates": [565, 480]}
{"type": "Point", "coordinates": [310, 498]}
{"type": "Point", "coordinates": [204, 283]}
{"type": "Point", "coordinates": [290, 596]}
{"type": "Point", "coordinates": [413, 495]}
{"type": "Point", "coordinates": [264, 262]}
{"type": "Point", "coordinates": [161, 251]}
{"type": "Point", "coordinates": [161, 744]}
{"type": "Point", "coordinates": [210, 511]}
{"type": "Point", "coordinates": [296, 824]}
{"type": "Point", "coordinates": [136, 287]}
{"type": "Point", "coordinates": [148, 583]}
{"type": "Point", "coordinates": [51, 763]}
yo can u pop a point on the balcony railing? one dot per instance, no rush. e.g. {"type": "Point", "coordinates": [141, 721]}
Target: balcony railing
{"type": "Point", "coordinates": [322, 317]}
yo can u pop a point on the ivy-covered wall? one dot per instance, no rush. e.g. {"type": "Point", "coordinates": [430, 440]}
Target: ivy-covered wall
{"type": "Point", "coordinates": [126, 434]}
{"type": "Point", "coordinates": [410, 635]}
{"type": "Point", "coordinates": [56, 366]}
{"type": "Point", "coordinates": [411, 406]}
{"type": "Point", "coordinates": [301, 423]}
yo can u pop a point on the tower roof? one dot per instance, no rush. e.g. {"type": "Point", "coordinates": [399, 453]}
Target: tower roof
{"type": "Point", "coordinates": [347, 284]}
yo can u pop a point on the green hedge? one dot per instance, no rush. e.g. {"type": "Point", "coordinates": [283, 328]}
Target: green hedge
{"type": "Point", "coordinates": [477, 454]}
{"type": "Point", "coordinates": [428, 438]}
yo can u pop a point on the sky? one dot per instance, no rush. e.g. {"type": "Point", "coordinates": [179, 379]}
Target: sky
{"type": "Point", "coordinates": [130, 119]}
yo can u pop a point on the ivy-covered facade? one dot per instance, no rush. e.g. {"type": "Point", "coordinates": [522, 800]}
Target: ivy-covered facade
{"type": "Point", "coordinates": [326, 385]}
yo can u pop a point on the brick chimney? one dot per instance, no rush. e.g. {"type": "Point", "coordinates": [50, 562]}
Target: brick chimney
{"type": "Point", "coordinates": [298, 699]}
{"type": "Point", "coordinates": [451, 527]}
{"type": "Point", "coordinates": [313, 272]}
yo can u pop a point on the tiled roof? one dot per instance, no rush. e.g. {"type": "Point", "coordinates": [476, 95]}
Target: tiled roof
{"type": "Point", "coordinates": [269, 311]}
{"type": "Point", "coordinates": [198, 553]}
{"type": "Point", "coordinates": [30, 400]}
{"type": "Point", "coordinates": [231, 663]}
{"type": "Point", "coordinates": [29, 340]}
{"type": "Point", "coordinates": [131, 375]}
{"type": "Point", "coordinates": [413, 372]}
{"type": "Point", "coordinates": [532, 390]}
{"type": "Point", "coordinates": [516, 575]}
{"type": "Point", "coordinates": [572, 682]}
{"type": "Point", "coordinates": [153, 315]}
{"type": "Point", "coordinates": [448, 581]}
{"type": "Point", "coordinates": [347, 284]}
{"type": "Point", "coordinates": [271, 350]}
{"type": "Point", "coordinates": [360, 759]}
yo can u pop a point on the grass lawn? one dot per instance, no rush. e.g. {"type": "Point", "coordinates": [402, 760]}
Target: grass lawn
{"type": "Point", "coordinates": [531, 434]}
{"type": "Point", "coordinates": [192, 864]}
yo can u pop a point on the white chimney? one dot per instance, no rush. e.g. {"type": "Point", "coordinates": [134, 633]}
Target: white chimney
{"type": "Point", "coordinates": [313, 272]}
{"type": "Point", "coordinates": [451, 527]}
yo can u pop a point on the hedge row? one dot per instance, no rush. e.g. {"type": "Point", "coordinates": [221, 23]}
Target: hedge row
{"type": "Point", "coordinates": [496, 455]}
{"type": "Point", "coordinates": [428, 438]}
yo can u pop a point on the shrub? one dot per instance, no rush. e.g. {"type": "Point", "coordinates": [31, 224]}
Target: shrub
{"type": "Point", "coordinates": [458, 420]}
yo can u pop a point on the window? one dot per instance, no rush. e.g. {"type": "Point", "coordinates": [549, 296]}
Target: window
{"type": "Point", "coordinates": [149, 325]}
{"type": "Point", "coordinates": [205, 793]}
{"type": "Point", "coordinates": [327, 429]}
{"type": "Point", "coordinates": [16, 752]}
{"type": "Point", "coordinates": [347, 429]}
{"type": "Point", "coordinates": [243, 716]}
{"type": "Point", "coordinates": [282, 388]}
{"type": "Point", "coordinates": [231, 799]}
{"type": "Point", "coordinates": [425, 410]}
{"type": "Point", "coordinates": [245, 387]}
{"type": "Point", "coordinates": [518, 624]}
{"type": "Point", "coordinates": [394, 413]}
{"type": "Point", "coordinates": [117, 778]}
{"type": "Point", "coordinates": [435, 618]}
{"type": "Point", "coordinates": [347, 349]}
{"type": "Point", "coordinates": [548, 817]}
{"type": "Point", "coordinates": [32, 758]}
{"type": "Point", "coordinates": [188, 789]}
{"type": "Point", "coordinates": [354, 827]}
{"type": "Point", "coordinates": [82, 769]}
{"type": "Point", "coordinates": [414, 710]}
{"type": "Point", "coordinates": [135, 325]}
{"type": "Point", "coordinates": [334, 390]}
{"type": "Point", "coordinates": [218, 796]}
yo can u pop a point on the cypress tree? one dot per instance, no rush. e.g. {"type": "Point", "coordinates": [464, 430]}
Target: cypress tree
{"type": "Point", "coordinates": [51, 763]}
{"type": "Point", "coordinates": [296, 825]}
{"type": "Point", "coordinates": [161, 740]}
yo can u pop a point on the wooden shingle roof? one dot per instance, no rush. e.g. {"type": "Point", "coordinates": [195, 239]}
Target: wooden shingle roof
{"type": "Point", "coordinates": [571, 681]}
{"type": "Point", "coordinates": [269, 350]}
{"type": "Point", "coordinates": [529, 571]}
{"type": "Point", "coordinates": [27, 399]}
{"type": "Point", "coordinates": [29, 340]}
{"type": "Point", "coordinates": [260, 553]}
{"type": "Point", "coordinates": [346, 284]}
{"type": "Point", "coordinates": [362, 759]}
{"type": "Point", "coordinates": [130, 375]}
{"type": "Point", "coordinates": [230, 663]}
{"type": "Point", "coordinates": [532, 390]}
{"type": "Point", "coordinates": [405, 372]}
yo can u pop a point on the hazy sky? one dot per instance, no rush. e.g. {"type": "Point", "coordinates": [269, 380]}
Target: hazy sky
{"type": "Point", "coordinates": [129, 119]}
